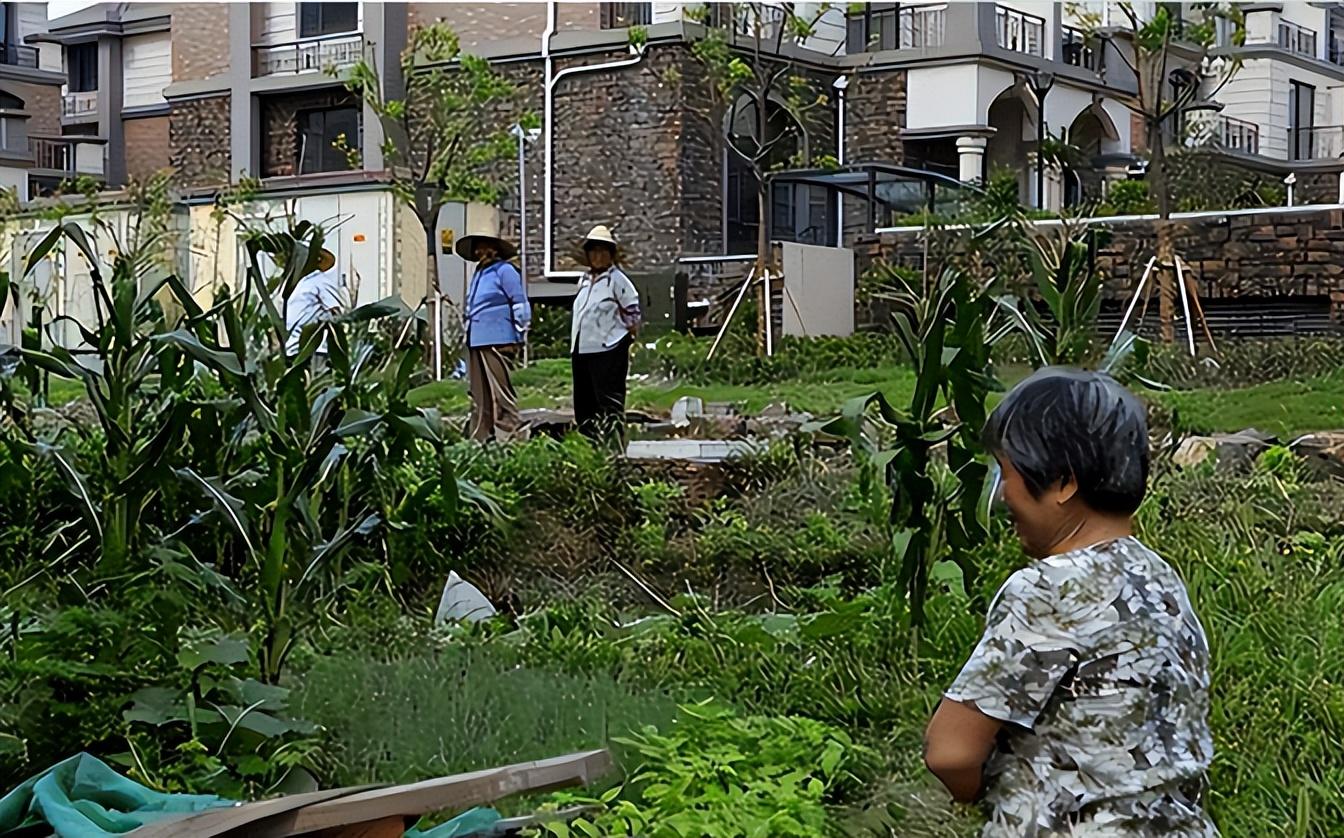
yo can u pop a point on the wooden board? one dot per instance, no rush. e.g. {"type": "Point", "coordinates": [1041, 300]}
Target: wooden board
{"type": "Point", "coordinates": [213, 822]}
{"type": "Point", "coordinates": [328, 811]}
{"type": "Point", "coordinates": [457, 792]}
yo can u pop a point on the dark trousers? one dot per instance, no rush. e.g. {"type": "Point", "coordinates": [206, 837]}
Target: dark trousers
{"type": "Point", "coordinates": [599, 389]}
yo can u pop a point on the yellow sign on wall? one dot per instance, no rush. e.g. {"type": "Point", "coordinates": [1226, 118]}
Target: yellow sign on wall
{"type": "Point", "coordinates": [446, 240]}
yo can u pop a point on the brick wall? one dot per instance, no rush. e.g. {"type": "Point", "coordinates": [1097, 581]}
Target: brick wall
{"type": "Point", "coordinates": [147, 146]}
{"type": "Point", "coordinates": [279, 121]}
{"type": "Point", "coordinates": [874, 115]}
{"type": "Point", "coordinates": [198, 140]}
{"type": "Point", "coordinates": [200, 33]}
{"type": "Point", "coordinates": [1261, 254]}
{"type": "Point", "coordinates": [43, 101]}
{"type": "Point", "coordinates": [636, 148]}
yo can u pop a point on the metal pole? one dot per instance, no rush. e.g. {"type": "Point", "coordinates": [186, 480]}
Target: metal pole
{"type": "Point", "coordinates": [522, 204]}
{"type": "Point", "coordinates": [438, 335]}
{"type": "Point", "coordinates": [769, 316]}
{"type": "Point", "coordinates": [1040, 147]}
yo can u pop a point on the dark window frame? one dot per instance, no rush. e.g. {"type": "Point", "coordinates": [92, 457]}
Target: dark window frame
{"type": "Point", "coordinates": [317, 145]}
{"type": "Point", "coordinates": [320, 20]}
{"type": "Point", "coordinates": [81, 66]}
{"type": "Point", "coordinates": [1303, 137]}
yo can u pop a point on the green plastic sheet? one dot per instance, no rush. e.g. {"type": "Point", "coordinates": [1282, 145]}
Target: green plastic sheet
{"type": "Point", "coordinates": [82, 797]}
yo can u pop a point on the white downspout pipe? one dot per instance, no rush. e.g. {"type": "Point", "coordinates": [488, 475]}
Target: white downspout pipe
{"type": "Point", "coordinates": [552, 81]}
{"type": "Point", "coordinates": [840, 85]}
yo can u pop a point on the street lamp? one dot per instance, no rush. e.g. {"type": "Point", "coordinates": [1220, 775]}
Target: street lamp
{"type": "Point", "coordinates": [524, 135]}
{"type": "Point", "coordinates": [1040, 81]}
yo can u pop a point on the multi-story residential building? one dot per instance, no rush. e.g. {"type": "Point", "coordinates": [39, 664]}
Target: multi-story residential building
{"type": "Point", "coordinates": [30, 79]}
{"type": "Point", "coordinates": [1283, 110]}
{"type": "Point", "coordinates": [117, 60]}
{"type": "Point", "coordinates": [635, 138]}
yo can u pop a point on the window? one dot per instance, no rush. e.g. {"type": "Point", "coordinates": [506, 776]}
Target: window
{"type": "Point", "coordinates": [623, 15]}
{"type": "Point", "coordinates": [1301, 120]}
{"type": "Point", "coordinates": [81, 64]}
{"type": "Point", "coordinates": [317, 19]}
{"type": "Point", "coordinates": [879, 26]}
{"type": "Point", "coordinates": [318, 132]}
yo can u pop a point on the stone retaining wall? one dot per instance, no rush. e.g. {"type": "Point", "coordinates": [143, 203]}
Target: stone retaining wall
{"type": "Point", "coordinates": [1274, 253]}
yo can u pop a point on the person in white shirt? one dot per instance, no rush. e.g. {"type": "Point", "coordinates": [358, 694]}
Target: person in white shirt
{"type": "Point", "coordinates": [606, 317]}
{"type": "Point", "coordinates": [321, 295]}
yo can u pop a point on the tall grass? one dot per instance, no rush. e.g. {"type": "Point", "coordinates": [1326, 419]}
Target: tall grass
{"type": "Point", "coordinates": [457, 709]}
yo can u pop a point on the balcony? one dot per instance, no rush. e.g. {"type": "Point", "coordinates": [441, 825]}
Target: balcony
{"type": "Point", "coordinates": [69, 156]}
{"type": "Point", "coordinates": [1297, 39]}
{"type": "Point", "coordinates": [1019, 31]}
{"type": "Point", "coordinates": [1078, 50]}
{"type": "Point", "coordinates": [915, 26]}
{"type": "Point", "coordinates": [1321, 142]}
{"type": "Point", "coordinates": [1238, 135]}
{"type": "Point", "coordinates": [923, 26]}
{"type": "Point", "coordinates": [18, 55]}
{"type": "Point", "coordinates": [81, 105]}
{"type": "Point", "coordinates": [312, 55]}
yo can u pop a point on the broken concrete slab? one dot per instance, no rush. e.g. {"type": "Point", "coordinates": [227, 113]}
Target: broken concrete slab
{"type": "Point", "coordinates": [694, 450]}
{"type": "Point", "coordinates": [1229, 451]}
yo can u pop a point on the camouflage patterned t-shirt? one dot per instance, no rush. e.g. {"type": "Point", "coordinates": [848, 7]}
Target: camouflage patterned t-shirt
{"type": "Point", "coordinates": [1101, 668]}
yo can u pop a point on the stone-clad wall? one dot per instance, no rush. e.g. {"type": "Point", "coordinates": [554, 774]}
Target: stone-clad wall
{"type": "Point", "coordinates": [1263, 254]}
{"type": "Point", "coordinates": [198, 141]}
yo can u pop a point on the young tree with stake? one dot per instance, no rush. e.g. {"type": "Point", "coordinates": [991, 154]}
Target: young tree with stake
{"type": "Point", "coordinates": [1171, 60]}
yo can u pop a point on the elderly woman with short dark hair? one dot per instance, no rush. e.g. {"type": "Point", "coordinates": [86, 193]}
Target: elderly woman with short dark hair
{"type": "Point", "coordinates": [1084, 709]}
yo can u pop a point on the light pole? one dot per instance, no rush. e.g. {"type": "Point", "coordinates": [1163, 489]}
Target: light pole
{"type": "Point", "coordinates": [525, 136]}
{"type": "Point", "coordinates": [1041, 81]}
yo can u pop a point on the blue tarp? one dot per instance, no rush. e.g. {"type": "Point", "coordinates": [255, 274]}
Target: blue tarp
{"type": "Point", "coordinates": [82, 797]}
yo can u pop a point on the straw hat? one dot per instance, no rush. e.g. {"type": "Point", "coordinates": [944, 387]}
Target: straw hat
{"type": "Point", "coordinates": [600, 234]}
{"type": "Point", "coordinates": [325, 260]}
{"type": "Point", "coordinates": [483, 226]}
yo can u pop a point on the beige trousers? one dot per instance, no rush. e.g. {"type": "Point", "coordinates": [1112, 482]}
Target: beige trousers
{"type": "Point", "coordinates": [494, 405]}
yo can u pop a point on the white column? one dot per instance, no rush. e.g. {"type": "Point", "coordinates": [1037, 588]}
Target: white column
{"type": "Point", "coordinates": [971, 156]}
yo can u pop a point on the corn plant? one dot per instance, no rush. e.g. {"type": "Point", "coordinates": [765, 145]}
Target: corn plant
{"type": "Point", "coordinates": [924, 457]}
{"type": "Point", "coordinates": [1064, 274]}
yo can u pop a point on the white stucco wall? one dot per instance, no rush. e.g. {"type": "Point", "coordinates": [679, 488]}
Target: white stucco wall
{"type": "Point", "coordinates": [1259, 93]}
{"type": "Point", "coordinates": [929, 105]}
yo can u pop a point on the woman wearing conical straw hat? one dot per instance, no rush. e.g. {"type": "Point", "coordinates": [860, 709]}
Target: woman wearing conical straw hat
{"type": "Point", "coordinates": [497, 315]}
{"type": "Point", "coordinates": [606, 317]}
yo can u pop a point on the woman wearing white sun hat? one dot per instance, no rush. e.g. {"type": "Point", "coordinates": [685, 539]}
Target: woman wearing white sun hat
{"type": "Point", "coordinates": [606, 317]}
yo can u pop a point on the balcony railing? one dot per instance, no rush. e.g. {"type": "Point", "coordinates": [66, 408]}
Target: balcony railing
{"type": "Point", "coordinates": [308, 56]}
{"type": "Point", "coordinates": [18, 55]}
{"type": "Point", "coordinates": [1019, 31]}
{"type": "Point", "coordinates": [70, 155]}
{"type": "Point", "coordinates": [1238, 135]}
{"type": "Point", "coordinates": [84, 103]}
{"type": "Point", "coordinates": [923, 26]}
{"type": "Point", "coordinates": [1335, 49]}
{"type": "Point", "coordinates": [1079, 50]}
{"type": "Point", "coordinates": [1298, 39]}
{"type": "Point", "coordinates": [1321, 142]}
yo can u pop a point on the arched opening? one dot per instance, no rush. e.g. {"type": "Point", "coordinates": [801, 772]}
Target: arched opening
{"type": "Point", "coordinates": [777, 146]}
{"type": "Point", "coordinates": [1007, 150]}
{"type": "Point", "coordinates": [10, 102]}
{"type": "Point", "coordinates": [1091, 135]}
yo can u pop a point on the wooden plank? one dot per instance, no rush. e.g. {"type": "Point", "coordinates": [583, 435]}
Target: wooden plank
{"type": "Point", "coordinates": [215, 822]}
{"type": "Point", "coordinates": [385, 828]}
{"type": "Point", "coordinates": [444, 793]}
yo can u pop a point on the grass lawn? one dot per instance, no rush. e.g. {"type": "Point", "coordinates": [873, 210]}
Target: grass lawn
{"type": "Point", "coordinates": [1286, 408]}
